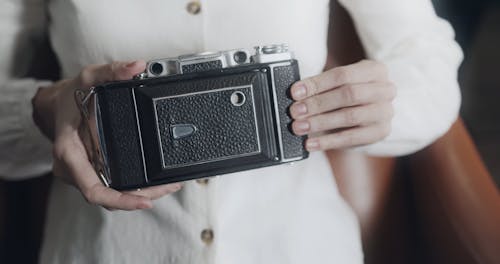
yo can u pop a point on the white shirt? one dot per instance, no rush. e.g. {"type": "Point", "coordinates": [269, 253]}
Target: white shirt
{"type": "Point", "coordinates": [283, 214]}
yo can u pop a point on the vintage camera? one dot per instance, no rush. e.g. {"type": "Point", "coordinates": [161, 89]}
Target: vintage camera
{"type": "Point", "coordinates": [194, 116]}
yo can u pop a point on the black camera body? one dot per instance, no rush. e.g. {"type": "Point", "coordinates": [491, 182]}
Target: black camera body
{"type": "Point", "coordinates": [197, 116]}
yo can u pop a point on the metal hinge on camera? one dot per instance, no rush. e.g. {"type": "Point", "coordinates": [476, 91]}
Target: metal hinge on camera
{"type": "Point", "coordinates": [83, 99]}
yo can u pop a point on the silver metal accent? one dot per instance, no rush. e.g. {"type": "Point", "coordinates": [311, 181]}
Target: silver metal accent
{"type": "Point", "coordinates": [140, 76]}
{"type": "Point", "coordinates": [103, 178]}
{"type": "Point", "coordinates": [272, 53]}
{"type": "Point", "coordinates": [238, 98]}
{"type": "Point", "coordinates": [173, 66]}
{"type": "Point", "coordinates": [202, 56]}
{"type": "Point", "coordinates": [180, 131]}
{"type": "Point", "coordinates": [231, 60]}
{"type": "Point", "coordinates": [83, 98]}
{"type": "Point", "coordinates": [104, 172]}
{"type": "Point", "coordinates": [169, 67]}
{"type": "Point", "coordinates": [90, 127]}
{"type": "Point", "coordinates": [273, 49]}
{"type": "Point", "coordinates": [259, 149]}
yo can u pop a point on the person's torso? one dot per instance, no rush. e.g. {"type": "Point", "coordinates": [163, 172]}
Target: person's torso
{"type": "Point", "coordinates": [90, 31]}
{"type": "Point", "coordinates": [282, 214]}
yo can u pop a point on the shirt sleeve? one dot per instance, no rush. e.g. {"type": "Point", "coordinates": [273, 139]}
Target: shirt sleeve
{"type": "Point", "coordinates": [422, 58]}
{"type": "Point", "coordinates": [24, 151]}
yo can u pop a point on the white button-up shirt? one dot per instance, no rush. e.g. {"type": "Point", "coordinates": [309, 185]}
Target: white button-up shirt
{"type": "Point", "coordinates": [283, 214]}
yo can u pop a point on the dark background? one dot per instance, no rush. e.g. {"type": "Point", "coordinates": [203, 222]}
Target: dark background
{"type": "Point", "coordinates": [477, 24]}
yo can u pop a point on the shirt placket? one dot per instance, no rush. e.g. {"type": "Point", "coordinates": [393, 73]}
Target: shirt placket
{"type": "Point", "coordinates": [197, 10]}
{"type": "Point", "coordinates": [202, 189]}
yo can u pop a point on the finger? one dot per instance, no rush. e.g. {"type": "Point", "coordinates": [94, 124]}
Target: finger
{"type": "Point", "coordinates": [113, 199]}
{"type": "Point", "coordinates": [360, 72]}
{"type": "Point", "coordinates": [96, 74]}
{"type": "Point", "coordinates": [344, 96]}
{"type": "Point", "coordinates": [349, 138]}
{"type": "Point", "coordinates": [344, 118]}
{"type": "Point", "coordinates": [61, 171]}
{"type": "Point", "coordinates": [72, 153]}
{"type": "Point", "coordinates": [156, 192]}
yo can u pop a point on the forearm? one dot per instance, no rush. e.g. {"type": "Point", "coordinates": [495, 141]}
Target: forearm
{"type": "Point", "coordinates": [43, 103]}
{"type": "Point", "coordinates": [24, 151]}
{"type": "Point", "coordinates": [422, 58]}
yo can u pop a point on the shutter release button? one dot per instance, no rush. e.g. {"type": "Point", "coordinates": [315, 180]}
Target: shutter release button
{"type": "Point", "coordinates": [182, 130]}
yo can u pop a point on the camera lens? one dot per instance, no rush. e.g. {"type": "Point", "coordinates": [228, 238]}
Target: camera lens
{"type": "Point", "coordinates": [240, 57]}
{"type": "Point", "coordinates": [156, 68]}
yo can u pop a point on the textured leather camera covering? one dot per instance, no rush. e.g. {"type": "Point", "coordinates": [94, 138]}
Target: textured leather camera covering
{"type": "Point", "coordinates": [201, 67]}
{"type": "Point", "coordinates": [284, 77]}
{"type": "Point", "coordinates": [122, 139]}
{"type": "Point", "coordinates": [223, 130]}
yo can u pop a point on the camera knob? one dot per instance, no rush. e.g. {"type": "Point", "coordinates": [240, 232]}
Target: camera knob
{"type": "Point", "coordinates": [271, 53]}
{"type": "Point", "coordinates": [273, 49]}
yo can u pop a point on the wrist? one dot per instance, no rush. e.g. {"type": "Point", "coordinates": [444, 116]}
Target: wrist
{"type": "Point", "coordinates": [44, 109]}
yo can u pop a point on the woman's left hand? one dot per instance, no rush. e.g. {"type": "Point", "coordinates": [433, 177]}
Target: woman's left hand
{"type": "Point", "coordinates": [344, 107]}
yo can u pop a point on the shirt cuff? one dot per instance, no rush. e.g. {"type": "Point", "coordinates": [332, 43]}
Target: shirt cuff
{"type": "Point", "coordinates": [24, 151]}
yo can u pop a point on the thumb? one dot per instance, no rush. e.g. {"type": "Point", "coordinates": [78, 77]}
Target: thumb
{"type": "Point", "coordinates": [117, 71]}
{"type": "Point", "coordinates": [126, 70]}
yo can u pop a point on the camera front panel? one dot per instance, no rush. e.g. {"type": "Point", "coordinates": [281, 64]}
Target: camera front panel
{"type": "Point", "coordinates": [206, 124]}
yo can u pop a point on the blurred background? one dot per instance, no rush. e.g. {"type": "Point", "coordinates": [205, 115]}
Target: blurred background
{"type": "Point", "coordinates": [477, 26]}
{"type": "Point", "coordinates": [395, 231]}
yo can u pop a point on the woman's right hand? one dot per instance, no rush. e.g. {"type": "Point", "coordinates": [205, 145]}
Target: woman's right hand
{"type": "Point", "coordinates": [56, 113]}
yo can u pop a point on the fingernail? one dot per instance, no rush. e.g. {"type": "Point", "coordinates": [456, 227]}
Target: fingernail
{"type": "Point", "coordinates": [130, 64]}
{"type": "Point", "coordinates": [312, 145]}
{"type": "Point", "coordinates": [301, 127]}
{"type": "Point", "coordinates": [298, 109]}
{"type": "Point", "coordinates": [299, 91]}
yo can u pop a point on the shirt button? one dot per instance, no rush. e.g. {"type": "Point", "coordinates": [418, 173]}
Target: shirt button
{"type": "Point", "coordinates": [194, 7]}
{"type": "Point", "coordinates": [207, 236]}
{"type": "Point", "coordinates": [203, 181]}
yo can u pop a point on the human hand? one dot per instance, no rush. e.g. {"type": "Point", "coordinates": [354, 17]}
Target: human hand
{"type": "Point", "coordinates": [56, 113]}
{"type": "Point", "coordinates": [344, 107]}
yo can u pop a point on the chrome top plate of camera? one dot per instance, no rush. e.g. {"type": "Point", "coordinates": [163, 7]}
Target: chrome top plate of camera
{"type": "Point", "coordinates": [215, 60]}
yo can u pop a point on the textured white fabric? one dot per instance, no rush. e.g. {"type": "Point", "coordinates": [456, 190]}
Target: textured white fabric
{"type": "Point", "coordinates": [24, 151]}
{"type": "Point", "coordinates": [284, 214]}
{"type": "Point", "coordinates": [422, 59]}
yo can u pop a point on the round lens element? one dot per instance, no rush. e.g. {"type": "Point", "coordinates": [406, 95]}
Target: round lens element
{"type": "Point", "coordinates": [240, 57]}
{"type": "Point", "coordinates": [238, 98]}
{"type": "Point", "coordinates": [156, 68]}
